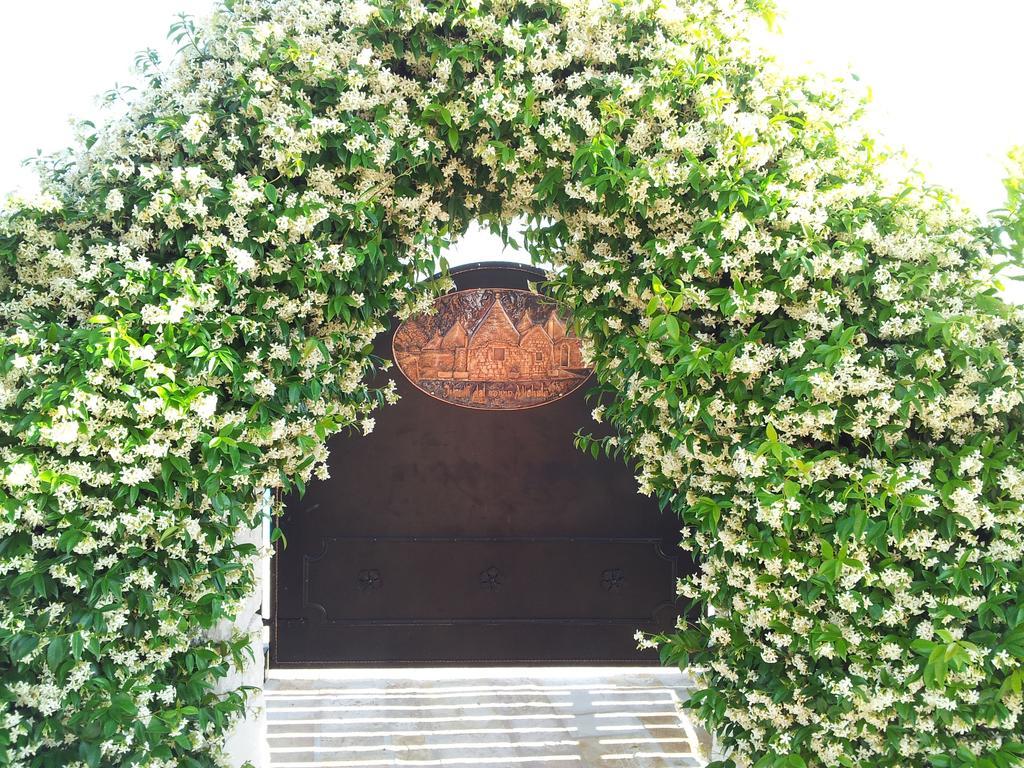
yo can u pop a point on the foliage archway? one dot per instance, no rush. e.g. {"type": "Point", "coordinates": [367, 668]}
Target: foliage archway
{"type": "Point", "coordinates": [810, 363]}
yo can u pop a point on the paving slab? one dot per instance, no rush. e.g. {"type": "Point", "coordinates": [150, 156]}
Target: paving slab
{"type": "Point", "coordinates": [533, 717]}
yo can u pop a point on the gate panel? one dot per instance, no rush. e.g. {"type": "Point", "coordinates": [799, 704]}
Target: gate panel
{"type": "Point", "coordinates": [484, 580]}
{"type": "Point", "coordinates": [454, 534]}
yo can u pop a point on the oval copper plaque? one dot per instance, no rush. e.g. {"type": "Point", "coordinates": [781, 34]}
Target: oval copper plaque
{"type": "Point", "coordinates": [493, 349]}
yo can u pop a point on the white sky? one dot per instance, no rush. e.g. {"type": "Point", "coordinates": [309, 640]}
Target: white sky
{"type": "Point", "coordinates": [944, 75]}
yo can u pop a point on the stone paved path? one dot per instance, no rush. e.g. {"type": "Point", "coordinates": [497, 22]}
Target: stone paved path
{"type": "Point", "coordinates": [623, 718]}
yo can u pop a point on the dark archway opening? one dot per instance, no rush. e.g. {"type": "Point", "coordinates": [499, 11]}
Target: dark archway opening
{"type": "Point", "coordinates": [452, 535]}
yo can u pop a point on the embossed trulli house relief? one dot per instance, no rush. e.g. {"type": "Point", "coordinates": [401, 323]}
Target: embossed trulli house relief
{"type": "Point", "coordinates": [492, 349]}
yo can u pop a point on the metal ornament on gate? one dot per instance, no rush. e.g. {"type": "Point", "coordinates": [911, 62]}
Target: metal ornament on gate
{"type": "Point", "coordinates": [492, 349]}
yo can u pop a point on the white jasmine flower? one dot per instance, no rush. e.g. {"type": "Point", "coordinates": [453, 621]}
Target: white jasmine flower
{"type": "Point", "coordinates": [971, 464]}
{"type": "Point", "coordinates": [146, 352]}
{"type": "Point", "coordinates": [205, 406]}
{"type": "Point", "coordinates": [264, 388]}
{"type": "Point", "coordinates": [114, 201]}
{"type": "Point", "coordinates": [196, 127]}
{"type": "Point", "coordinates": [19, 474]}
{"type": "Point", "coordinates": [63, 431]}
{"type": "Point", "coordinates": [733, 226]}
{"type": "Point", "coordinates": [242, 260]}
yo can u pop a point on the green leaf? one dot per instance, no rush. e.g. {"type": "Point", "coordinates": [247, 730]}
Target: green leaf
{"type": "Point", "coordinates": [56, 652]}
{"type": "Point", "coordinates": [77, 645]}
{"type": "Point", "coordinates": [672, 326]}
{"type": "Point", "coordinates": [22, 645]}
{"type": "Point", "coordinates": [89, 751]}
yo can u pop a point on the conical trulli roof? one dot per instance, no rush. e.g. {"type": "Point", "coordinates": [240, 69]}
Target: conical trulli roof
{"type": "Point", "coordinates": [535, 331]}
{"type": "Point", "coordinates": [554, 326]}
{"type": "Point", "coordinates": [457, 336]}
{"type": "Point", "coordinates": [495, 328]}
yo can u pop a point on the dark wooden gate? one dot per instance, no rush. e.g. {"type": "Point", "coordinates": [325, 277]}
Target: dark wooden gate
{"type": "Point", "coordinates": [453, 535]}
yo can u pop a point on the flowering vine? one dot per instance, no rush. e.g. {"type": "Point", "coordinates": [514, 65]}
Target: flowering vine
{"type": "Point", "coordinates": [809, 361]}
